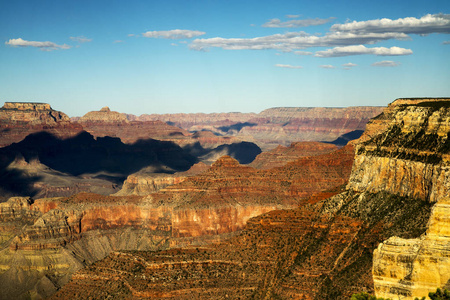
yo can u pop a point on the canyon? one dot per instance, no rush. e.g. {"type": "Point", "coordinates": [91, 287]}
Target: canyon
{"type": "Point", "coordinates": [267, 129]}
{"type": "Point", "coordinates": [46, 240]}
{"type": "Point", "coordinates": [385, 232]}
{"type": "Point", "coordinates": [303, 220]}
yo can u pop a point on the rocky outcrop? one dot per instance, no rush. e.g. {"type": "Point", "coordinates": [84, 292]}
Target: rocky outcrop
{"type": "Point", "coordinates": [413, 268]}
{"type": "Point", "coordinates": [410, 156]}
{"type": "Point", "coordinates": [19, 119]}
{"type": "Point", "coordinates": [142, 183]}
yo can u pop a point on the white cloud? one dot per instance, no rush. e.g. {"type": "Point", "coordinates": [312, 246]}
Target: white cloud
{"type": "Point", "coordinates": [118, 41]}
{"type": "Point", "coordinates": [292, 16]}
{"type": "Point", "coordinates": [276, 23]}
{"type": "Point", "coordinates": [294, 40]}
{"type": "Point", "coordinates": [327, 66]}
{"type": "Point", "coordinates": [438, 23]}
{"type": "Point", "coordinates": [349, 65]}
{"type": "Point", "coordinates": [44, 46]}
{"type": "Point", "coordinates": [288, 66]}
{"type": "Point", "coordinates": [360, 50]}
{"type": "Point", "coordinates": [446, 43]}
{"type": "Point", "coordinates": [386, 63]}
{"type": "Point", "coordinates": [80, 39]}
{"type": "Point", "coordinates": [302, 53]}
{"type": "Point", "coordinates": [173, 34]}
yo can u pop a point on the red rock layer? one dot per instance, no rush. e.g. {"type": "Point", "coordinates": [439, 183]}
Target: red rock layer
{"type": "Point", "coordinates": [282, 155]}
{"type": "Point", "coordinates": [19, 119]}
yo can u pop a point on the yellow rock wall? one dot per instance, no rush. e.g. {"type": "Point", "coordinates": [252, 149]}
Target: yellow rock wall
{"type": "Point", "coordinates": [412, 268]}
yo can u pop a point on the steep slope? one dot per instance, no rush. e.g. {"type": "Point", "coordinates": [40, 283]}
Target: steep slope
{"type": "Point", "coordinates": [323, 249]}
{"type": "Point", "coordinates": [19, 119]}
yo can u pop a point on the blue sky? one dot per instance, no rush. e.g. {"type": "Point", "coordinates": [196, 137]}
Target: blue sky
{"type": "Point", "coordinates": [221, 56]}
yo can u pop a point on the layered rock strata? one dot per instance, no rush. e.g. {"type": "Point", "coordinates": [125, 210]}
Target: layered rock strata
{"type": "Point", "coordinates": [282, 155]}
{"type": "Point", "coordinates": [19, 119]}
{"type": "Point", "coordinates": [65, 234]}
{"type": "Point", "coordinates": [277, 126]}
{"type": "Point", "coordinates": [324, 248]}
{"type": "Point", "coordinates": [130, 130]}
{"type": "Point", "coordinates": [413, 268]}
{"type": "Point", "coordinates": [406, 151]}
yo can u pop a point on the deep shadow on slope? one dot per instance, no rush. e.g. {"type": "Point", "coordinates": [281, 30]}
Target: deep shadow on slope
{"type": "Point", "coordinates": [108, 157]}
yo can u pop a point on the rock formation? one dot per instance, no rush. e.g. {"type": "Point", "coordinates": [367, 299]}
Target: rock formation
{"type": "Point", "coordinates": [282, 155]}
{"type": "Point", "coordinates": [19, 119]}
{"type": "Point", "coordinates": [277, 126]}
{"type": "Point", "coordinates": [413, 268]}
{"type": "Point", "coordinates": [324, 248]}
{"type": "Point", "coordinates": [142, 183]}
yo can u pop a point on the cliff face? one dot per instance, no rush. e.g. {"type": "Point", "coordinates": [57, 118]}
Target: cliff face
{"type": "Point", "coordinates": [413, 268]}
{"type": "Point", "coordinates": [410, 155]}
{"type": "Point", "coordinates": [19, 119]}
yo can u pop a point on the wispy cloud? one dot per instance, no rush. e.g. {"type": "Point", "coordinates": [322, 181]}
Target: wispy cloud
{"type": "Point", "coordinates": [288, 66]}
{"type": "Point", "coordinates": [349, 65]}
{"type": "Point", "coordinates": [446, 43]}
{"type": "Point", "coordinates": [327, 66]}
{"type": "Point", "coordinates": [80, 39]}
{"type": "Point", "coordinates": [292, 16]}
{"type": "Point", "coordinates": [361, 49]}
{"type": "Point", "coordinates": [118, 41]}
{"type": "Point", "coordinates": [438, 23]}
{"type": "Point", "coordinates": [44, 46]}
{"type": "Point", "coordinates": [276, 23]}
{"type": "Point", "coordinates": [173, 34]}
{"type": "Point", "coordinates": [302, 53]}
{"type": "Point", "coordinates": [294, 40]}
{"type": "Point", "coordinates": [386, 63]}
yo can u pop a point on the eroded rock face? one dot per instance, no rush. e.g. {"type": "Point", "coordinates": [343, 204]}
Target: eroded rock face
{"type": "Point", "coordinates": [19, 119]}
{"type": "Point", "coordinates": [413, 268]}
{"type": "Point", "coordinates": [142, 183]}
{"type": "Point", "coordinates": [411, 155]}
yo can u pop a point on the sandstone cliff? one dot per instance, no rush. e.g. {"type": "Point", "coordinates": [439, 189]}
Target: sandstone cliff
{"type": "Point", "coordinates": [413, 268]}
{"type": "Point", "coordinates": [19, 119]}
{"type": "Point", "coordinates": [406, 151]}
